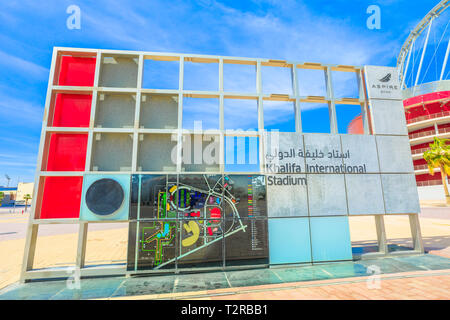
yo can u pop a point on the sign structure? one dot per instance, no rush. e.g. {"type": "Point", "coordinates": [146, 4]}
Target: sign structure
{"type": "Point", "coordinates": [113, 150]}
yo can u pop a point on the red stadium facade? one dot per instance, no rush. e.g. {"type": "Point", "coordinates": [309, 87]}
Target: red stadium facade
{"type": "Point", "coordinates": [427, 116]}
{"type": "Point", "coordinates": [423, 72]}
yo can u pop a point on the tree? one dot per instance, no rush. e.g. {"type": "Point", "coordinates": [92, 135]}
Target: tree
{"type": "Point", "coordinates": [438, 156]}
{"type": "Point", "coordinates": [2, 195]}
{"type": "Point", "coordinates": [26, 198]}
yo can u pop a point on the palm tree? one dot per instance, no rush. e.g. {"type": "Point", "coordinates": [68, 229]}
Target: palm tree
{"type": "Point", "coordinates": [438, 156]}
{"type": "Point", "coordinates": [26, 198]}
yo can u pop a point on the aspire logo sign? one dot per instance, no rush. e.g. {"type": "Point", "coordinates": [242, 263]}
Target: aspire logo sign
{"type": "Point", "coordinates": [386, 78]}
{"type": "Point", "coordinates": [382, 83]}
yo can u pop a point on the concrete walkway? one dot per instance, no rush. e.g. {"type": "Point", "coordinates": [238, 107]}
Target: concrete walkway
{"type": "Point", "coordinates": [422, 285]}
{"type": "Point", "coordinates": [405, 286]}
{"type": "Point", "coordinates": [364, 279]}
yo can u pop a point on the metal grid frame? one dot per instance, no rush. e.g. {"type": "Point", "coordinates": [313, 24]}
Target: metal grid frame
{"type": "Point", "coordinates": [27, 271]}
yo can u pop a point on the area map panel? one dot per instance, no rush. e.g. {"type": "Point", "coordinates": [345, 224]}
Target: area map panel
{"type": "Point", "coordinates": [196, 220]}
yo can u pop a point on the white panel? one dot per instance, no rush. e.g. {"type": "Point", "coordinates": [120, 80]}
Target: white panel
{"type": "Point", "coordinates": [382, 83]}
{"type": "Point", "coordinates": [159, 112]}
{"type": "Point", "coordinates": [394, 153]}
{"type": "Point", "coordinates": [322, 150]}
{"type": "Point", "coordinates": [112, 152]}
{"type": "Point", "coordinates": [364, 194]}
{"type": "Point", "coordinates": [287, 195]}
{"type": "Point", "coordinates": [400, 193]}
{"type": "Point", "coordinates": [119, 72]}
{"type": "Point", "coordinates": [362, 152]}
{"type": "Point", "coordinates": [388, 117]}
{"type": "Point", "coordinates": [326, 194]}
{"type": "Point", "coordinates": [115, 111]}
{"type": "Point", "coordinates": [156, 152]}
{"type": "Point", "coordinates": [284, 153]}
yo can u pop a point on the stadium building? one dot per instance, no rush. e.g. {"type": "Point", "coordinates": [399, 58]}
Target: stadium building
{"type": "Point", "coordinates": [424, 71]}
{"type": "Point", "coordinates": [424, 74]}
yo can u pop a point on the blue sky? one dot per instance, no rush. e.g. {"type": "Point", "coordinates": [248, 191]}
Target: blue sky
{"type": "Point", "coordinates": [315, 31]}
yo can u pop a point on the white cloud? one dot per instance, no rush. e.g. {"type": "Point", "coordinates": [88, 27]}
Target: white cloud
{"type": "Point", "coordinates": [287, 30]}
{"type": "Point", "coordinates": [21, 111]}
{"type": "Point", "coordinates": [21, 142]}
{"type": "Point", "coordinates": [18, 164]}
{"type": "Point", "coordinates": [23, 66]}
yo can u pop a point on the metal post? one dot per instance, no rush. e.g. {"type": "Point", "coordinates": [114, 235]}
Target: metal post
{"type": "Point", "coordinates": [381, 234]}
{"type": "Point", "coordinates": [82, 241]}
{"type": "Point", "coordinates": [221, 97]}
{"type": "Point", "coordinates": [331, 103]}
{"type": "Point", "coordinates": [180, 114]}
{"type": "Point", "coordinates": [294, 81]}
{"type": "Point", "coordinates": [423, 52]}
{"type": "Point", "coordinates": [15, 200]}
{"type": "Point", "coordinates": [363, 101]}
{"type": "Point", "coordinates": [407, 63]}
{"type": "Point", "coordinates": [445, 60]}
{"type": "Point", "coordinates": [221, 117]}
{"type": "Point", "coordinates": [416, 233]}
{"type": "Point", "coordinates": [260, 114]}
{"type": "Point", "coordinates": [32, 229]}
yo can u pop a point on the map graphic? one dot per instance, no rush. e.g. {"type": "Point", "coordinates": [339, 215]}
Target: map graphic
{"type": "Point", "coordinates": [186, 221]}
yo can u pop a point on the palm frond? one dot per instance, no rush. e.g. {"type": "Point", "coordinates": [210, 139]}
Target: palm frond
{"type": "Point", "coordinates": [438, 156]}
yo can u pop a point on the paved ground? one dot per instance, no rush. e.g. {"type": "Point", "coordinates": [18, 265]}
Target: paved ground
{"type": "Point", "coordinates": [13, 226]}
{"type": "Point", "coordinates": [435, 212]}
{"type": "Point", "coordinates": [425, 285]}
{"type": "Point", "coordinates": [404, 286]}
{"type": "Point", "coordinates": [337, 280]}
{"type": "Point", "coordinates": [107, 242]}
{"type": "Point", "coordinates": [56, 245]}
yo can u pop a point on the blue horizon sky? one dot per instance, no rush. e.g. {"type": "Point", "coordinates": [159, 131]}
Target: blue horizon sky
{"type": "Point", "coordinates": [314, 31]}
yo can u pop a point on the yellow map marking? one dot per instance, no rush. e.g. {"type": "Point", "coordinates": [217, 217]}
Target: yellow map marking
{"type": "Point", "coordinates": [192, 226]}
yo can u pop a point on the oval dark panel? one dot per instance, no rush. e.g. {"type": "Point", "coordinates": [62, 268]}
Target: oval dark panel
{"type": "Point", "coordinates": [104, 197]}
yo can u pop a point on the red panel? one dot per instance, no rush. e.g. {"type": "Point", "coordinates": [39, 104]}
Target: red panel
{"type": "Point", "coordinates": [67, 152]}
{"type": "Point", "coordinates": [76, 71]}
{"type": "Point", "coordinates": [61, 197]}
{"type": "Point", "coordinates": [72, 110]}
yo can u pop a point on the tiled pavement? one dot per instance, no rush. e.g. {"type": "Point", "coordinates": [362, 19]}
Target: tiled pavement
{"type": "Point", "coordinates": [412, 285]}
{"type": "Point", "coordinates": [406, 277]}
{"type": "Point", "coordinates": [308, 283]}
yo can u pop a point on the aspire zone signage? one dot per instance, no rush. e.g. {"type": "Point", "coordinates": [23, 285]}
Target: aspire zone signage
{"type": "Point", "coordinates": [188, 205]}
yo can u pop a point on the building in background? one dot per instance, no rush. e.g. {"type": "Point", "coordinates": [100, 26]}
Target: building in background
{"type": "Point", "coordinates": [424, 75]}
{"type": "Point", "coordinates": [428, 116]}
{"type": "Point", "coordinates": [9, 195]}
{"type": "Point", "coordinates": [24, 188]}
{"type": "Point", "coordinates": [16, 195]}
